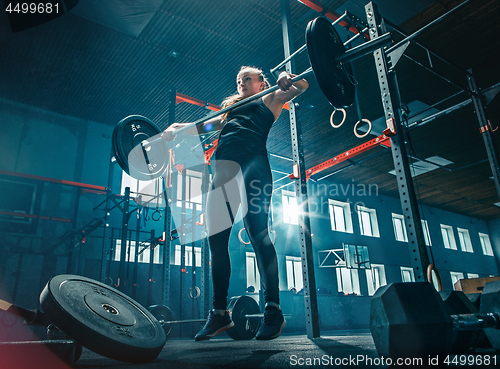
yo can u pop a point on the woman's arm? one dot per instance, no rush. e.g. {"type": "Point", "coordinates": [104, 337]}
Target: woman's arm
{"type": "Point", "coordinates": [286, 92]}
{"type": "Point", "coordinates": [213, 124]}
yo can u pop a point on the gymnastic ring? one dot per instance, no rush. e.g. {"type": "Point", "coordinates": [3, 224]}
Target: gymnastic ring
{"type": "Point", "coordinates": [343, 119]}
{"type": "Point", "coordinates": [198, 292]}
{"type": "Point", "coordinates": [274, 233]}
{"type": "Point", "coordinates": [241, 239]}
{"type": "Point", "coordinates": [153, 215]}
{"type": "Point", "coordinates": [367, 132]}
{"type": "Point", "coordinates": [439, 281]}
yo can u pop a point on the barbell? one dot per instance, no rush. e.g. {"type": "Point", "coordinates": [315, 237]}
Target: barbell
{"type": "Point", "coordinates": [244, 312]}
{"type": "Point", "coordinates": [135, 136]}
{"type": "Point", "coordinates": [410, 320]}
{"type": "Point", "coordinates": [82, 311]}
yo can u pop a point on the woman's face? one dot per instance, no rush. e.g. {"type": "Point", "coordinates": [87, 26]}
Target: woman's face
{"type": "Point", "coordinates": [248, 83]}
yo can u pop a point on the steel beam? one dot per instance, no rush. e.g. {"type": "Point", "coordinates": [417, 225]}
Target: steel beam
{"type": "Point", "coordinates": [485, 129]}
{"type": "Point", "coordinates": [205, 252]}
{"type": "Point", "coordinates": [167, 222]}
{"type": "Point", "coordinates": [306, 251]}
{"type": "Point", "coordinates": [392, 109]}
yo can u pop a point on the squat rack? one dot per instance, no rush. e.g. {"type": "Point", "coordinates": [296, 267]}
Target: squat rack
{"type": "Point", "coordinates": [385, 61]}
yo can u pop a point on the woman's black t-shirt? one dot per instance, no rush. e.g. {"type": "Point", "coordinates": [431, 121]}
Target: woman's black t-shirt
{"type": "Point", "coordinates": [245, 132]}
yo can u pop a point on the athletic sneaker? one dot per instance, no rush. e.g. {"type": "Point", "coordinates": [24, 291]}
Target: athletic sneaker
{"type": "Point", "coordinates": [215, 324]}
{"type": "Point", "coordinates": [273, 324]}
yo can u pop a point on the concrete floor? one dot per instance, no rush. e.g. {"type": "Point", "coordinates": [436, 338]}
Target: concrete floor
{"type": "Point", "coordinates": [354, 349]}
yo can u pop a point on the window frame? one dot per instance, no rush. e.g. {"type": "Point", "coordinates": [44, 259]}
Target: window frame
{"type": "Point", "coordinates": [372, 216]}
{"type": "Point", "coordinates": [290, 212]}
{"type": "Point", "coordinates": [401, 219]}
{"type": "Point", "coordinates": [449, 242]}
{"type": "Point", "coordinates": [294, 273]}
{"type": "Point", "coordinates": [346, 213]}
{"type": "Point", "coordinates": [464, 239]}
{"type": "Point", "coordinates": [486, 246]}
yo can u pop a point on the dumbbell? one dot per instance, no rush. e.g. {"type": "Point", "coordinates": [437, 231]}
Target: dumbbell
{"type": "Point", "coordinates": [410, 320]}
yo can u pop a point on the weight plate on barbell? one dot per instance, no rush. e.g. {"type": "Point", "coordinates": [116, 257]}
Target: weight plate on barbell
{"type": "Point", "coordinates": [324, 46]}
{"type": "Point", "coordinates": [164, 315]}
{"type": "Point", "coordinates": [244, 328]}
{"type": "Point", "coordinates": [138, 161]}
{"type": "Point", "coordinates": [102, 319]}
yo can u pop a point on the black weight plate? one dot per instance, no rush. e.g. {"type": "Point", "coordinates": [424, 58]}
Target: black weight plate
{"type": "Point", "coordinates": [324, 46]}
{"type": "Point", "coordinates": [163, 314]}
{"type": "Point", "coordinates": [244, 328]}
{"type": "Point", "coordinates": [143, 163]}
{"type": "Point", "coordinates": [102, 319]}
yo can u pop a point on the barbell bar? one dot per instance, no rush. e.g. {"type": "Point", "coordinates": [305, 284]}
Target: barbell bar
{"type": "Point", "coordinates": [339, 59]}
{"type": "Point", "coordinates": [242, 309]}
{"type": "Point", "coordinates": [410, 320]}
{"type": "Point", "coordinates": [134, 136]}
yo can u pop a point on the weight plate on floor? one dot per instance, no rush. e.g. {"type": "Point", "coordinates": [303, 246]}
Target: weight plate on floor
{"type": "Point", "coordinates": [335, 79]}
{"type": "Point", "coordinates": [244, 328]}
{"type": "Point", "coordinates": [163, 314]}
{"type": "Point", "coordinates": [102, 319]}
{"type": "Point", "coordinates": [138, 161]}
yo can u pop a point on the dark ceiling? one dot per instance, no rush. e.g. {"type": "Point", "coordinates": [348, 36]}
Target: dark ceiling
{"type": "Point", "coordinates": [105, 60]}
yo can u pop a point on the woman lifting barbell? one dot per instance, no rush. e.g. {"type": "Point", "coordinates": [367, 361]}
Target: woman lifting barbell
{"type": "Point", "coordinates": [242, 177]}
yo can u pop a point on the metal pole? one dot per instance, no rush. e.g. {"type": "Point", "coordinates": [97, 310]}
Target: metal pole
{"type": "Point", "coordinates": [124, 238]}
{"type": "Point", "coordinates": [435, 21]}
{"type": "Point", "coordinates": [310, 298]}
{"type": "Point", "coordinates": [392, 108]}
{"type": "Point", "coordinates": [136, 254]}
{"type": "Point", "coordinates": [167, 225]}
{"type": "Point", "coordinates": [485, 129]}
{"type": "Point", "coordinates": [151, 280]}
{"type": "Point", "coordinates": [106, 247]}
{"type": "Point", "coordinates": [205, 252]}
{"type": "Point", "coordinates": [181, 229]}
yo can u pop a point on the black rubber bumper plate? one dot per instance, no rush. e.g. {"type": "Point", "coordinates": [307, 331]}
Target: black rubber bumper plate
{"type": "Point", "coordinates": [102, 319]}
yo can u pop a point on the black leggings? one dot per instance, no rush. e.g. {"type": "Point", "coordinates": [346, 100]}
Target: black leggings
{"type": "Point", "coordinates": [249, 184]}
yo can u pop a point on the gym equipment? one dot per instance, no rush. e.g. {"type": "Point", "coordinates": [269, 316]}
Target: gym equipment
{"type": "Point", "coordinates": [473, 285]}
{"type": "Point", "coordinates": [410, 320]}
{"type": "Point", "coordinates": [29, 354]}
{"type": "Point", "coordinates": [165, 316]}
{"type": "Point", "coordinates": [133, 138]}
{"type": "Point", "coordinates": [129, 154]}
{"type": "Point", "coordinates": [244, 311]}
{"type": "Point", "coordinates": [102, 319]}
{"type": "Point", "coordinates": [456, 302]}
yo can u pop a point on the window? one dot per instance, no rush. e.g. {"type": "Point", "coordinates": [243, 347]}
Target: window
{"type": "Point", "coordinates": [188, 255]}
{"type": "Point", "coordinates": [340, 216]}
{"type": "Point", "coordinates": [146, 190]}
{"type": "Point", "coordinates": [448, 237]}
{"type": "Point", "coordinates": [375, 278]}
{"type": "Point", "coordinates": [464, 238]}
{"type": "Point", "coordinates": [486, 244]}
{"type": "Point", "coordinates": [427, 235]}
{"type": "Point", "coordinates": [253, 276]}
{"type": "Point", "coordinates": [368, 221]}
{"type": "Point", "coordinates": [398, 222]}
{"type": "Point", "coordinates": [472, 275]}
{"type": "Point", "coordinates": [193, 189]}
{"type": "Point", "coordinates": [348, 281]}
{"type": "Point", "coordinates": [455, 277]}
{"type": "Point", "coordinates": [294, 273]}
{"type": "Point", "coordinates": [290, 208]}
{"type": "Point", "coordinates": [144, 252]}
{"type": "Point", "coordinates": [407, 274]}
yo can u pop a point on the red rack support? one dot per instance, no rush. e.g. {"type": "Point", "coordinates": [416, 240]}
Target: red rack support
{"type": "Point", "coordinates": [380, 140]}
